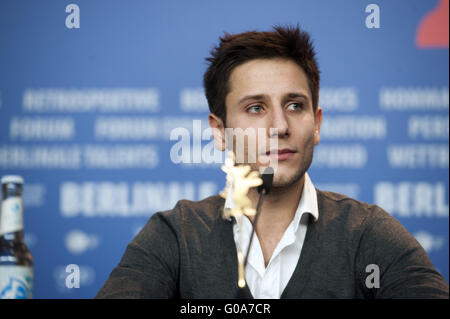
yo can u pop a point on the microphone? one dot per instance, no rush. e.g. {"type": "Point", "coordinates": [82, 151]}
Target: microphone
{"type": "Point", "coordinates": [267, 177]}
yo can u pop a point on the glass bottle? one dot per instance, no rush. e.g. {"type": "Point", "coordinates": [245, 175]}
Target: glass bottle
{"type": "Point", "coordinates": [16, 260]}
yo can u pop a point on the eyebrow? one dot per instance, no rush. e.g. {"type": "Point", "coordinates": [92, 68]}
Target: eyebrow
{"type": "Point", "coordinates": [262, 96]}
{"type": "Point", "coordinates": [252, 97]}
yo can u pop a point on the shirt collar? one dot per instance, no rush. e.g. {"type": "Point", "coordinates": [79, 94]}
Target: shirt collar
{"type": "Point", "coordinates": [308, 202]}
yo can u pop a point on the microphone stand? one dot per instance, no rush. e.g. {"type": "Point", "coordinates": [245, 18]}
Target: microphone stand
{"type": "Point", "coordinates": [258, 206]}
{"type": "Point", "coordinates": [262, 190]}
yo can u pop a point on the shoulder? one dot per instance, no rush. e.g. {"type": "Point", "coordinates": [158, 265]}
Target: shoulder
{"type": "Point", "coordinates": [203, 213]}
{"type": "Point", "coordinates": [335, 206]}
{"type": "Point", "coordinates": [345, 217]}
{"type": "Point", "coordinates": [186, 218]}
{"type": "Point", "coordinates": [365, 224]}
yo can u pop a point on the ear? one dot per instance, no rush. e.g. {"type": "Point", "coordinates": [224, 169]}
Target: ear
{"type": "Point", "coordinates": [317, 124]}
{"type": "Point", "coordinates": [218, 131]}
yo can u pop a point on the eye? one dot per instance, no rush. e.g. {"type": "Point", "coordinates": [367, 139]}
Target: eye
{"type": "Point", "coordinates": [255, 109]}
{"type": "Point", "coordinates": [295, 106]}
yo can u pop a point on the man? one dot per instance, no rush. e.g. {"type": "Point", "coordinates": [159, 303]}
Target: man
{"type": "Point", "coordinates": [308, 243]}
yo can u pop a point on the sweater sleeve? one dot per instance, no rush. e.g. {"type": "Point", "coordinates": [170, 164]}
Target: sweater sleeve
{"type": "Point", "coordinates": [149, 266]}
{"type": "Point", "coordinates": [405, 270]}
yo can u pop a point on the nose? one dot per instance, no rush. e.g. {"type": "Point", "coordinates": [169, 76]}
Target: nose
{"type": "Point", "coordinates": [279, 123]}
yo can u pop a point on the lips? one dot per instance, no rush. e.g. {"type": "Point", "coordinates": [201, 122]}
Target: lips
{"type": "Point", "coordinates": [281, 154]}
{"type": "Point", "coordinates": [280, 151]}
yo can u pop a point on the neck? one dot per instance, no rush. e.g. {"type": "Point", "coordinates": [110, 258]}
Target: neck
{"type": "Point", "coordinates": [280, 205]}
{"type": "Point", "coordinates": [13, 236]}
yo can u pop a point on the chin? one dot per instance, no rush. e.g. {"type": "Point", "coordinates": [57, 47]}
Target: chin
{"type": "Point", "coordinates": [285, 180]}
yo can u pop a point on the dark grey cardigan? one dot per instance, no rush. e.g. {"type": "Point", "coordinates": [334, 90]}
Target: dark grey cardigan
{"type": "Point", "coordinates": [189, 252]}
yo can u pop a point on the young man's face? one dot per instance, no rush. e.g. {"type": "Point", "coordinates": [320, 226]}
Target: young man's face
{"type": "Point", "coordinates": [271, 94]}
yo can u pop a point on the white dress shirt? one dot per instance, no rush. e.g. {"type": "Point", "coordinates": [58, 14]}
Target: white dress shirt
{"type": "Point", "coordinates": [269, 283]}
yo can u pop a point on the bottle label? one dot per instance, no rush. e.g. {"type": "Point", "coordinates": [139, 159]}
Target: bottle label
{"type": "Point", "coordinates": [16, 282]}
{"type": "Point", "coordinates": [11, 217]}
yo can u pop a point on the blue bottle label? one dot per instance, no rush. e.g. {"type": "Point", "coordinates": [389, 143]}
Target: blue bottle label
{"type": "Point", "coordinates": [16, 282]}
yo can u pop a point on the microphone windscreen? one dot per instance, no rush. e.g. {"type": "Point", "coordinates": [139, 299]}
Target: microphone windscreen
{"type": "Point", "coordinates": [267, 177]}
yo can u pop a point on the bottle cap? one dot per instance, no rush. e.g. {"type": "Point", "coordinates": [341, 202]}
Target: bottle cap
{"type": "Point", "coordinates": [12, 179]}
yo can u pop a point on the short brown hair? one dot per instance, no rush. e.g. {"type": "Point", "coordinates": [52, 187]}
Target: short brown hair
{"type": "Point", "coordinates": [236, 49]}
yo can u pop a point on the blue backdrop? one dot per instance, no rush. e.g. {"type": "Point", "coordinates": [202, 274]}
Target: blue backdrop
{"type": "Point", "coordinates": [87, 107]}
